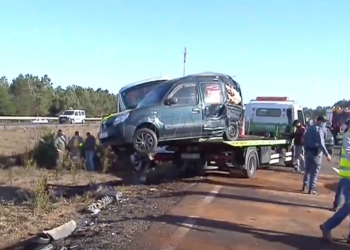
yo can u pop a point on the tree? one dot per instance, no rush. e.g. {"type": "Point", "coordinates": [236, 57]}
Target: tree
{"type": "Point", "coordinates": [29, 95]}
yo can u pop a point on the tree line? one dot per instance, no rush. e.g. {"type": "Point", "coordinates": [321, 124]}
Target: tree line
{"type": "Point", "coordinates": [29, 95]}
{"type": "Point", "coordinates": [321, 110]}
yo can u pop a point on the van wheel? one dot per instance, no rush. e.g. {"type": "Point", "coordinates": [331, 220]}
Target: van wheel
{"type": "Point", "coordinates": [231, 133]}
{"type": "Point", "coordinates": [83, 121]}
{"type": "Point", "coordinates": [72, 121]}
{"type": "Point", "coordinates": [145, 141]}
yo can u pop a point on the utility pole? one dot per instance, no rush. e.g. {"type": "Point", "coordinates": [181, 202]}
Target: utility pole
{"type": "Point", "coordinates": [185, 54]}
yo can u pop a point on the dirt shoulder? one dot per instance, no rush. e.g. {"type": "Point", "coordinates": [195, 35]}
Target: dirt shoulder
{"type": "Point", "coordinates": [33, 199]}
{"type": "Point", "coordinates": [19, 140]}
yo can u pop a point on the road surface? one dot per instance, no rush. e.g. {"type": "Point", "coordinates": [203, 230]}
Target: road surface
{"type": "Point", "coordinates": [267, 212]}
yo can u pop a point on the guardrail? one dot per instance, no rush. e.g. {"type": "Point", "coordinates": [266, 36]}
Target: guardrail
{"type": "Point", "coordinates": [11, 126]}
{"type": "Point", "coordinates": [28, 118]}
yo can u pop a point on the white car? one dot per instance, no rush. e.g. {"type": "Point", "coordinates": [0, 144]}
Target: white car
{"type": "Point", "coordinates": [40, 120]}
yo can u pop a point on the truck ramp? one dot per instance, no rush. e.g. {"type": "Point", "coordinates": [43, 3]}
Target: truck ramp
{"type": "Point", "coordinates": [266, 212]}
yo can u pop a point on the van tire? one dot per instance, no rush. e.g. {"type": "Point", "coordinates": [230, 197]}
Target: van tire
{"type": "Point", "coordinates": [231, 132]}
{"type": "Point", "coordinates": [83, 121]}
{"type": "Point", "coordinates": [146, 136]}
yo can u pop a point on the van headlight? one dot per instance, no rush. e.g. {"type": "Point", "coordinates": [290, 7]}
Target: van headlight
{"type": "Point", "coordinates": [120, 118]}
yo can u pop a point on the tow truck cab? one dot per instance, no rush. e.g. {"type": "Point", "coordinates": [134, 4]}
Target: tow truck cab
{"type": "Point", "coordinates": [272, 115]}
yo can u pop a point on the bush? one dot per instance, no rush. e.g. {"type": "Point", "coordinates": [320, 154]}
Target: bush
{"type": "Point", "coordinates": [44, 152]}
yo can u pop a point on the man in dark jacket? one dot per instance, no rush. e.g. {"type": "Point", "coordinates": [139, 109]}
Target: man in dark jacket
{"type": "Point", "coordinates": [298, 136]}
{"type": "Point", "coordinates": [89, 147]}
{"type": "Point", "coordinates": [314, 146]}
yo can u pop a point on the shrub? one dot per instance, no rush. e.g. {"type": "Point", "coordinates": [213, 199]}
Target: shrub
{"type": "Point", "coordinates": [44, 151]}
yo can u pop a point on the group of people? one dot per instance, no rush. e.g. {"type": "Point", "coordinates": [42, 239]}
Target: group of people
{"type": "Point", "coordinates": [76, 145]}
{"type": "Point", "coordinates": [309, 145]}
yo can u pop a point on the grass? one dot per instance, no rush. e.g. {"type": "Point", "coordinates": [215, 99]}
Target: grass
{"type": "Point", "coordinates": [28, 203]}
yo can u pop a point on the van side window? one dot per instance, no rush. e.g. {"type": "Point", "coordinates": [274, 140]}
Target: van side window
{"type": "Point", "coordinates": [290, 115]}
{"type": "Point", "coordinates": [76, 113]}
{"type": "Point", "coordinates": [301, 118]}
{"type": "Point", "coordinates": [212, 93]}
{"type": "Point", "coordinates": [186, 94]}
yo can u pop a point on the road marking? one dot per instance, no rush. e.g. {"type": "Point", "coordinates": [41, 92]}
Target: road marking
{"type": "Point", "coordinates": [188, 224]}
{"type": "Point", "coordinates": [336, 170]}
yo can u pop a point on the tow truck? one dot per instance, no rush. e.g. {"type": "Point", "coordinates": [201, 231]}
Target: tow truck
{"type": "Point", "coordinates": [245, 155]}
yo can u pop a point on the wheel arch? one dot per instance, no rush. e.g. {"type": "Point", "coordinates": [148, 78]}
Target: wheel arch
{"type": "Point", "coordinates": [150, 126]}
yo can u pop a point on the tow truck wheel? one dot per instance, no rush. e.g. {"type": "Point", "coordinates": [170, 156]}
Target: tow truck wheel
{"type": "Point", "coordinates": [145, 141]}
{"type": "Point", "coordinates": [251, 163]}
{"type": "Point", "coordinates": [231, 133]}
{"type": "Point", "coordinates": [199, 167]}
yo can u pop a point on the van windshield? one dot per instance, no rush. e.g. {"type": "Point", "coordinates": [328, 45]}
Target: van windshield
{"type": "Point", "coordinates": [68, 112]}
{"type": "Point", "coordinates": [268, 112]}
{"type": "Point", "coordinates": [131, 97]}
{"type": "Point", "coordinates": [155, 96]}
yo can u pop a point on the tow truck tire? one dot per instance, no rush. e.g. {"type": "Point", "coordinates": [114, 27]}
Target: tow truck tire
{"type": "Point", "coordinates": [150, 138]}
{"type": "Point", "coordinates": [200, 167]}
{"type": "Point", "coordinates": [251, 163]}
{"type": "Point", "coordinates": [231, 133]}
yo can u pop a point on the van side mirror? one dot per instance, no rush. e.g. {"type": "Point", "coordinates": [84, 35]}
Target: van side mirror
{"type": "Point", "coordinates": [171, 101]}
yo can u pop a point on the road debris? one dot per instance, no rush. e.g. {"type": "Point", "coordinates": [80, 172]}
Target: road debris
{"type": "Point", "coordinates": [62, 231]}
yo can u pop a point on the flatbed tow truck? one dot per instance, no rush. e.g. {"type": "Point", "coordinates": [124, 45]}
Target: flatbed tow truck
{"type": "Point", "coordinates": [245, 155]}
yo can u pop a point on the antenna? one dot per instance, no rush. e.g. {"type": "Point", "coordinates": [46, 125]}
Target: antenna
{"type": "Point", "coordinates": [184, 66]}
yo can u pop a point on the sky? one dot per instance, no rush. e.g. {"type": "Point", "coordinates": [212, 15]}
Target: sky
{"type": "Point", "coordinates": [294, 48]}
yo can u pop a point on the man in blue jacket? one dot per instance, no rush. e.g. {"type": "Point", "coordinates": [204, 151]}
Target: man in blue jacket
{"type": "Point", "coordinates": [314, 146]}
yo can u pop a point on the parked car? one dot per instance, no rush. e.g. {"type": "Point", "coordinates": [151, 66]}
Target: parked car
{"type": "Point", "coordinates": [72, 116]}
{"type": "Point", "coordinates": [40, 120]}
{"type": "Point", "coordinates": [188, 108]}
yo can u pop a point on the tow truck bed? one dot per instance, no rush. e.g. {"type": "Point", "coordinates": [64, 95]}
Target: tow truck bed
{"type": "Point", "coordinates": [248, 141]}
{"type": "Point", "coordinates": [245, 155]}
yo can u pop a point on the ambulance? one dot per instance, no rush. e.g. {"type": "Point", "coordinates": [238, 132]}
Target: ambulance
{"type": "Point", "coordinates": [272, 115]}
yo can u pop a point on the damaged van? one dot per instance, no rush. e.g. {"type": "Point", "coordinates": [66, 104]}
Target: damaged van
{"type": "Point", "coordinates": [184, 109]}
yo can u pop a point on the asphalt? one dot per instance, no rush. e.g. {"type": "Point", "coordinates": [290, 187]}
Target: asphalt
{"type": "Point", "coordinates": [266, 212]}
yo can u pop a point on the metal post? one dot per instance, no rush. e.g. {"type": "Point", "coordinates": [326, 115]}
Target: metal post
{"type": "Point", "coordinates": [185, 54]}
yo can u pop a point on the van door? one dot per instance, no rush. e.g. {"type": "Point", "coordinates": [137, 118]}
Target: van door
{"type": "Point", "coordinates": [213, 108]}
{"type": "Point", "coordinates": [183, 119]}
{"type": "Point", "coordinates": [301, 117]}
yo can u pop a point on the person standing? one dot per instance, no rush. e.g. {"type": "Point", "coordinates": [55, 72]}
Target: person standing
{"type": "Point", "coordinates": [314, 146]}
{"type": "Point", "coordinates": [60, 145]}
{"type": "Point", "coordinates": [89, 147]}
{"type": "Point", "coordinates": [338, 193]}
{"type": "Point", "coordinates": [344, 188]}
{"type": "Point", "coordinates": [75, 144]}
{"type": "Point", "coordinates": [298, 136]}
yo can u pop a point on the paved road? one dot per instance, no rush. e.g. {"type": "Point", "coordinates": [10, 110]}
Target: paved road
{"type": "Point", "coordinates": [267, 212]}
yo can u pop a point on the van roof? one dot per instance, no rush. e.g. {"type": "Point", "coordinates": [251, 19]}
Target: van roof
{"type": "Point", "coordinates": [149, 80]}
